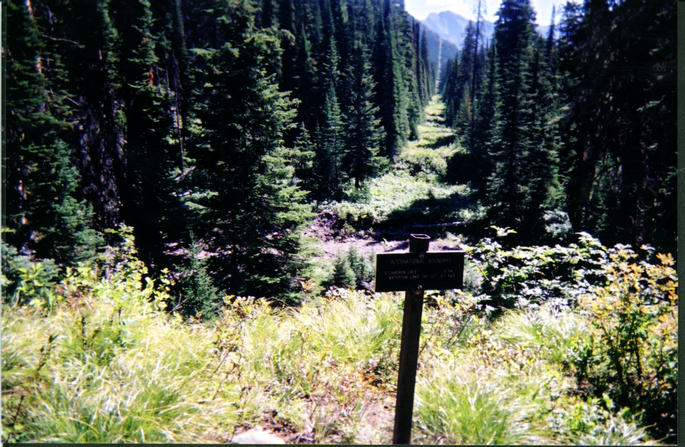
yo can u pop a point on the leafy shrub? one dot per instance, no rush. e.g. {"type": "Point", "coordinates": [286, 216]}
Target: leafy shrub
{"type": "Point", "coordinates": [528, 276]}
{"type": "Point", "coordinates": [594, 421]}
{"type": "Point", "coordinates": [102, 362]}
{"type": "Point", "coordinates": [24, 279]}
{"type": "Point", "coordinates": [427, 162]}
{"type": "Point", "coordinates": [631, 351]}
{"type": "Point", "coordinates": [390, 193]}
{"type": "Point", "coordinates": [505, 382]}
{"type": "Point", "coordinates": [557, 225]}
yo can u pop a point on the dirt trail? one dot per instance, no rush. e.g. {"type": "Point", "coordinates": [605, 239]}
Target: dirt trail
{"type": "Point", "coordinates": [333, 244]}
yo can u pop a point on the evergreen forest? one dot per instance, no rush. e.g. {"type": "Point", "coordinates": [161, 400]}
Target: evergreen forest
{"type": "Point", "coordinates": [193, 193]}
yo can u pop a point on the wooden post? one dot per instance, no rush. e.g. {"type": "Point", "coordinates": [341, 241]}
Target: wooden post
{"type": "Point", "coordinates": [414, 272]}
{"type": "Point", "coordinates": [409, 351]}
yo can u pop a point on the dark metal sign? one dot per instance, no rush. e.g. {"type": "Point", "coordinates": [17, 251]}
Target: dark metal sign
{"type": "Point", "coordinates": [414, 271]}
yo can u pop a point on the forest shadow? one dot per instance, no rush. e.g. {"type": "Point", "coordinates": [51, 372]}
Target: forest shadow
{"type": "Point", "coordinates": [438, 141]}
{"type": "Point", "coordinates": [430, 215]}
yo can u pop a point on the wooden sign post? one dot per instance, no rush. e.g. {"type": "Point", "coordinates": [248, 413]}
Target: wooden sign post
{"type": "Point", "coordinates": [414, 272]}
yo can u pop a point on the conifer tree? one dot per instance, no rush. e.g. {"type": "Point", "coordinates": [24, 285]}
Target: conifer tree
{"type": "Point", "coordinates": [44, 211]}
{"type": "Point", "coordinates": [364, 131]}
{"type": "Point", "coordinates": [514, 31]}
{"type": "Point", "coordinates": [94, 75]}
{"type": "Point", "coordinates": [426, 70]}
{"type": "Point", "coordinates": [614, 109]}
{"type": "Point", "coordinates": [449, 91]}
{"type": "Point", "coordinates": [330, 144]}
{"type": "Point", "coordinates": [305, 80]}
{"type": "Point", "coordinates": [540, 180]}
{"type": "Point", "coordinates": [147, 191]}
{"type": "Point", "coordinates": [389, 77]}
{"type": "Point", "coordinates": [479, 136]}
{"type": "Point", "coordinates": [243, 179]}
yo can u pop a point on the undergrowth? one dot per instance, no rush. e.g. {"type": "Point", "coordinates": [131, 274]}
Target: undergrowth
{"type": "Point", "coordinates": [413, 190]}
{"type": "Point", "coordinates": [94, 356]}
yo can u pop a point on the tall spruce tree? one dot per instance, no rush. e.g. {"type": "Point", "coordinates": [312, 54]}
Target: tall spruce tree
{"type": "Point", "coordinates": [330, 143]}
{"type": "Point", "coordinates": [389, 77]}
{"type": "Point", "coordinates": [44, 212]}
{"type": "Point", "coordinates": [364, 132]}
{"type": "Point", "coordinates": [614, 110]}
{"type": "Point", "coordinates": [147, 191]}
{"type": "Point", "coordinates": [514, 32]}
{"type": "Point", "coordinates": [541, 161]}
{"type": "Point", "coordinates": [252, 210]}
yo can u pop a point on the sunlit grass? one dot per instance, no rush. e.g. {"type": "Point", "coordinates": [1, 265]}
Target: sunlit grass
{"type": "Point", "coordinates": [94, 371]}
{"type": "Point", "coordinates": [313, 365]}
{"type": "Point", "coordinates": [94, 374]}
{"type": "Point", "coordinates": [467, 407]}
{"type": "Point", "coordinates": [393, 192]}
{"type": "Point", "coordinates": [506, 383]}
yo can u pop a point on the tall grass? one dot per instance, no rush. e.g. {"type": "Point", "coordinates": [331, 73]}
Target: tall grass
{"type": "Point", "coordinates": [107, 364]}
{"type": "Point", "coordinates": [96, 358]}
{"type": "Point", "coordinates": [314, 365]}
{"type": "Point", "coordinates": [108, 375]}
{"type": "Point", "coordinates": [459, 407]}
{"type": "Point", "coordinates": [507, 384]}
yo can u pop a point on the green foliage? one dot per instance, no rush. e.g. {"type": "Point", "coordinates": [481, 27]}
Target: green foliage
{"type": "Point", "coordinates": [426, 163]}
{"type": "Point", "coordinates": [631, 351]}
{"type": "Point", "coordinates": [506, 381]}
{"type": "Point", "coordinates": [25, 280]}
{"type": "Point", "coordinates": [250, 210]}
{"type": "Point", "coordinates": [524, 276]}
{"type": "Point", "coordinates": [329, 149]}
{"type": "Point", "coordinates": [175, 117]}
{"type": "Point", "coordinates": [472, 412]}
{"type": "Point", "coordinates": [397, 192]}
{"type": "Point", "coordinates": [104, 362]}
{"type": "Point", "coordinates": [197, 294]}
{"type": "Point", "coordinates": [343, 275]}
{"type": "Point", "coordinates": [612, 188]}
{"type": "Point", "coordinates": [364, 134]}
{"type": "Point", "coordinates": [312, 366]}
{"type": "Point", "coordinates": [352, 271]}
{"type": "Point", "coordinates": [44, 207]}
{"type": "Point", "coordinates": [97, 358]}
{"type": "Point", "coordinates": [362, 267]}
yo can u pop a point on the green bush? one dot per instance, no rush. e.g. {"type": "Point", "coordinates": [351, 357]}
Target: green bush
{"type": "Point", "coordinates": [522, 276]}
{"type": "Point", "coordinates": [396, 191]}
{"type": "Point", "coordinates": [197, 294]}
{"type": "Point", "coordinates": [631, 351]}
{"type": "Point", "coordinates": [427, 162]}
{"type": "Point", "coordinates": [25, 280]}
{"type": "Point", "coordinates": [352, 270]}
{"type": "Point", "coordinates": [343, 275]}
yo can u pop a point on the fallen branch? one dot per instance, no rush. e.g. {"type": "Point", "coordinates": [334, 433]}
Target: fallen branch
{"type": "Point", "coordinates": [440, 225]}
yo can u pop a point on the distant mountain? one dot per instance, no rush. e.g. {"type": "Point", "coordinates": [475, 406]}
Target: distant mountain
{"type": "Point", "coordinates": [452, 27]}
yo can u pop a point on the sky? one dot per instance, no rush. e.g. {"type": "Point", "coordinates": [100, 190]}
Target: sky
{"type": "Point", "coordinates": [468, 8]}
